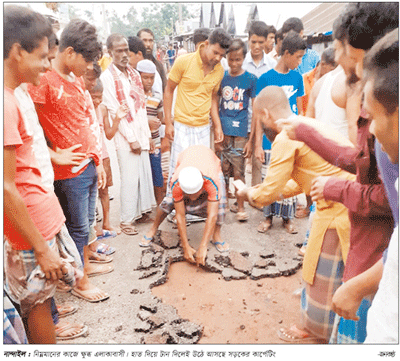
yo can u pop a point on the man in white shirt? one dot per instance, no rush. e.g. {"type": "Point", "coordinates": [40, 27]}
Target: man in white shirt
{"type": "Point", "coordinates": [122, 85]}
{"type": "Point", "coordinates": [257, 62]}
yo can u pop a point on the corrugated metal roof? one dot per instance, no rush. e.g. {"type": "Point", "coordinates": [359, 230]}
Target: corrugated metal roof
{"type": "Point", "coordinates": [322, 17]}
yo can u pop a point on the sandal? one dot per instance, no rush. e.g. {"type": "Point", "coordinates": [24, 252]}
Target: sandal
{"type": "Point", "coordinates": [295, 335]}
{"type": "Point", "coordinates": [264, 226]}
{"type": "Point", "coordinates": [146, 241]}
{"type": "Point", "coordinates": [107, 234]}
{"type": "Point", "coordinates": [289, 227]}
{"type": "Point", "coordinates": [242, 216]}
{"type": "Point", "coordinates": [103, 248]}
{"type": "Point", "coordinates": [65, 331]}
{"type": "Point", "coordinates": [95, 257]}
{"type": "Point", "coordinates": [85, 294]}
{"type": "Point", "coordinates": [129, 230]}
{"type": "Point", "coordinates": [220, 246]}
{"type": "Point", "coordinates": [302, 212]}
{"type": "Point", "coordinates": [98, 270]}
{"type": "Point", "coordinates": [66, 309]}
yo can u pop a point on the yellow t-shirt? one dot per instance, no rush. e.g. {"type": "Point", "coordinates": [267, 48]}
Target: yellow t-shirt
{"type": "Point", "coordinates": [193, 100]}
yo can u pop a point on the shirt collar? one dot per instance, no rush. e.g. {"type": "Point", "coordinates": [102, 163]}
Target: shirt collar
{"type": "Point", "coordinates": [200, 61]}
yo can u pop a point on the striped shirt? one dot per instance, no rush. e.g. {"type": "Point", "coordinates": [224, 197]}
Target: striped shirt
{"type": "Point", "coordinates": [154, 105]}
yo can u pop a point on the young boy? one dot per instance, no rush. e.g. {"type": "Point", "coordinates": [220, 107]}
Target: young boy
{"type": "Point", "coordinates": [154, 108]}
{"type": "Point", "coordinates": [100, 252]}
{"type": "Point", "coordinates": [33, 217]}
{"type": "Point", "coordinates": [283, 75]}
{"type": "Point", "coordinates": [63, 112]}
{"type": "Point", "coordinates": [238, 87]}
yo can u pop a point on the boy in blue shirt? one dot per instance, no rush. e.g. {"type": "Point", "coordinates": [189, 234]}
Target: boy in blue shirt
{"type": "Point", "coordinates": [238, 88]}
{"type": "Point", "coordinates": [283, 75]}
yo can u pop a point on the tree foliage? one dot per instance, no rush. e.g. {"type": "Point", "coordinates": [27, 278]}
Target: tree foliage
{"type": "Point", "coordinates": [159, 17]}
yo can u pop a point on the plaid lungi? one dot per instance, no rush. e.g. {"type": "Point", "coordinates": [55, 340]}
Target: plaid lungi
{"type": "Point", "coordinates": [349, 331]}
{"type": "Point", "coordinates": [316, 300]}
{"type": "Point", "coordinates": [13, 328]}
{"type": "Point", "coordinates": [184, 137]}
{"type": "Point", "coordinates": [199, 206]}
{"type": "Point", "coordinates": [285, 208]}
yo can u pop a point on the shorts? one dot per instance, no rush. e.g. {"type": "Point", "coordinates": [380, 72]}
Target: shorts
{"type": "Point", "coordinates": [156, 170]}
{"type": "Point", "coordinates": [107, 169]}
{"type": "Point", "coordinates": [232, 159]}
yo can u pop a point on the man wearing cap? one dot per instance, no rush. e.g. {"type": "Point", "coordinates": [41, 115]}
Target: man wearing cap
{"type": "Point", "coordinates": [198, 188]}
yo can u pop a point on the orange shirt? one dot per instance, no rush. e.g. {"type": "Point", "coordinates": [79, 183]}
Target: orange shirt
{"type": "Point", "coordinates": [43, 206]}
{"type": "Point", "coordinates": [205, 160]}
{"type": "Point", "coordinates": [308, 81]}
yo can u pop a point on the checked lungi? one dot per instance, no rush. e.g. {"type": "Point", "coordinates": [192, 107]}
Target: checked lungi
{"type": "Point", "coordinates": [317, 315]}
{"type": "Point", "coordinates": [285, 208]}
{"type": "Point", "coordinates": [184, 137]}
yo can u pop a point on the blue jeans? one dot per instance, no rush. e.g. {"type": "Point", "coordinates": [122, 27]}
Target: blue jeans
{"type": "Point", "coordinates": [77, 197]}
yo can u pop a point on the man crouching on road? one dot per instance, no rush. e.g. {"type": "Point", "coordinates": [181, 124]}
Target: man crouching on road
{"type": "Point", "coordinates": [197, 188]}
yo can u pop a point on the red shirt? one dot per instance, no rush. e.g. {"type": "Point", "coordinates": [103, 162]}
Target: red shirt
{"type": "Point", "coordinates": [43, 206]}
{"type": "Point", "coordinates": [205, 160]}
{"type": "Point", "coordinates": [65, 117]}
{"type": "Point", "coordinates": [369, 210]}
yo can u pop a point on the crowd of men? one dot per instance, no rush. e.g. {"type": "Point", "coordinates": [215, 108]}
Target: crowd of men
{"type": "Point", "coordinates": [324, 126]}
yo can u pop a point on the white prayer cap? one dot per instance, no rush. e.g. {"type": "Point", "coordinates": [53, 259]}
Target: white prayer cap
{"type": "Point", "coordinates": [146, 66]}
{"type": "Point", "coordinates": [190, 179]}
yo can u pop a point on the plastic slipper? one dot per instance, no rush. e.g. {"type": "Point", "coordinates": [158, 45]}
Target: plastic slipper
{"type": "Point", "coordinates": [103, 248]}
{"type": "Point", "coordinates": [99, 269]}
{"type": "Point", "coordinates": [70, 327]}
{"type": "Point", "coordinates": [219, 246]}
{"type": "Point", "coordinates": [85, 295]}
{"type": "Point", "coordinates": [107, 234]}
{"type": "Point", "coordinates": [66, 309]}
{"type": "Point", "coordinates": [264, 226]}
{"type": "Point", "coordinates": [242, 216]}
{"type": "Point", "coordinates": [146, 241]}
{"type": "Point", "coordinates": [129, 230]}
{"type": "Point", "coordinates": [63, 287]}
{"type": "Point", "coordinates": [295, 335]}
{"type": "Point", "coordinates": [289, 228]}
{"type": "Point", "coordinates": [95, 257]}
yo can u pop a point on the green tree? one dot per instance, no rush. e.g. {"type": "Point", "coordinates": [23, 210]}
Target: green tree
{"type": "Point", "coordinates": [128, 25]}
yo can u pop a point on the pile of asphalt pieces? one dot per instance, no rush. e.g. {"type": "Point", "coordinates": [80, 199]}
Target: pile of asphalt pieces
{"type": "Point", "coordinates": [159, 322]}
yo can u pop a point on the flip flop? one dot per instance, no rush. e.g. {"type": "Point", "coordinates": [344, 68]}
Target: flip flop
{"type": "Point", "coordinates": [84, 294]}
{"type": "Point", "coordinates": [100, 270]}
{"type": "Point", "coordinates": [220, 244]}
{"type": "Point", "coordinates": [263, 227]}
{"type": "Point", "coordinates": [295, 335]}
{"type": "Point", "coordinates": [66, 309]}
{"type": "Point", "coordinates": [107, 234]}
{"type": "Point", "coordinates": [95, 257]}
{"type": "Point", "coordinates": [103, 248]}
{"type": "Point", "coordinates": [129, 230]}
{"type": "Point", "coordinates": [148, 241]}
{"type": "Point", "coordinates": [69, 326]}
{"type": "Point", "coordinates": [242, 216]}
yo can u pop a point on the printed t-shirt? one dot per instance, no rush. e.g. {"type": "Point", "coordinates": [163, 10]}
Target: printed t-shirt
{"type": "Point", "coordinates": [65, 117]}
{"type": "Point", "coordinates": [154, 105]}
{"type": "Point", "coordinates": [42, 204]}
{"type": "Point", "coordinates": [292, 85]}
{"type": "Point", "coordinates": [193, 99]}
{"type": "Point", "coordinates": [236, 92]}
{"type": "Point", "coordinates": [205, 160]}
